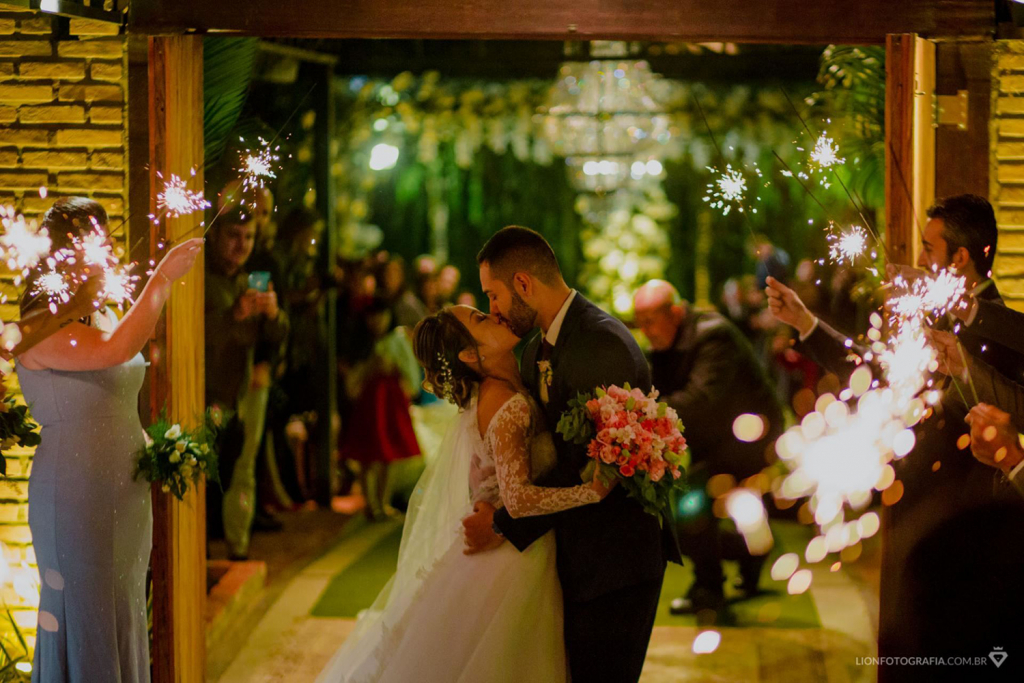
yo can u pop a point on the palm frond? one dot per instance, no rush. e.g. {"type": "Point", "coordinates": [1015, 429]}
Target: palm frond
{"type": "Point", "coordinates": [853, 94]}
{"type": "Point", "coordinates": [228, 68]}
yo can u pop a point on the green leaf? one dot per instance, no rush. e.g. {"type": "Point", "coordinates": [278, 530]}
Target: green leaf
{"type": "Point", "coordinates": [228, 68]}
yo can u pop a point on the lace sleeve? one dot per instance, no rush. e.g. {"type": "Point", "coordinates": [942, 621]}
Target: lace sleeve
{"type": "Point", "coordinates": [508, 438]}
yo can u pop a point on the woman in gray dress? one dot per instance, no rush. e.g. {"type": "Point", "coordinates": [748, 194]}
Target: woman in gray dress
{"type": "Point", "coordinates": [91, 521]}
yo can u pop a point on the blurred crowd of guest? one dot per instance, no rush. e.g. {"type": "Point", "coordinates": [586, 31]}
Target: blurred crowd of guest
{"type": "Point", "coordinates": [269, 288]}
{"type": "Point", "coordinates": [830, 291]}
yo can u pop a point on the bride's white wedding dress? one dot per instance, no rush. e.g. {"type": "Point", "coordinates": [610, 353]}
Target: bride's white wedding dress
{"type": "Point", "coordinates": [447, 617]}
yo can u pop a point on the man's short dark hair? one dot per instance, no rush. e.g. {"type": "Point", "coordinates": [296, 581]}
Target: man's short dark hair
{"type": "Point", "coordinates": [516, 249]}
{"type": "Point", "coordinates": [969, 222]}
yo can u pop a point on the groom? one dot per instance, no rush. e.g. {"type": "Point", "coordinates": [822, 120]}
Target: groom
{"type": "Point", "coordinates": [612, 555]}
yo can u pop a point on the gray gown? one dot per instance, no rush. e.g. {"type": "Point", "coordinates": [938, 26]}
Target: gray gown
{"type": "Point", "coordinates": [91, 523]}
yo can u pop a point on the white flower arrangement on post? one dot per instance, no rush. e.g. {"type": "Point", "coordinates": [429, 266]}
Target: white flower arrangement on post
{"type": "Point", "coordinates": [175, 458]}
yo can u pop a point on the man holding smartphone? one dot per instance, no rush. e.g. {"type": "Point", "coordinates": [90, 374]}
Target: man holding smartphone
{"type": "Point", "coordinates": [241, 309]}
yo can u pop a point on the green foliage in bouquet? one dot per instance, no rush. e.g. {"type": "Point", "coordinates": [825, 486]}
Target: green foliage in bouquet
{"type": "Point", "coordinates": [656, 496]}
{"type": "Point", "coordinates": [575, 425]}
{"type": "Point", "coordinates": [177, 458]}
{"type": "Point", "coordinates": [16, 428]}
{"type": "Point", "coordinates": [14, 650]}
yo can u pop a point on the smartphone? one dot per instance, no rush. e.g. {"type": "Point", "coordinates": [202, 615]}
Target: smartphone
{"type": "Point", "coordinates": [259, 280]}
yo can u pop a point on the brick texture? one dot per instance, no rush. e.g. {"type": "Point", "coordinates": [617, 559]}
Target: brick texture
{"type": "Point", "coordinates": [103, 48]}
{"type": "Point", "coordinates": [90, 93]}
{"type": "Point", "coordinates": [61, 126]}
{"type": "Point", "coordinates": [106, 71]}
{"type": "Point", "coordinates": [72, 71]}
{"type": "Point", "coordinates": [53, 113]}
{"type": "Point", "coordinates": [1007, 187]}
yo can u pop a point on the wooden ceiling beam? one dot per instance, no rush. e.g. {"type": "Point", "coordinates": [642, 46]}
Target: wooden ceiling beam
{"type": "Point", "coordinates": [765, 21]}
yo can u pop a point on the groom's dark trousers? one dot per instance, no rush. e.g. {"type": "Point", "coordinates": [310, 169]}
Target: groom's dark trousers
{"type": "Point", "coordinates": [611, 555]}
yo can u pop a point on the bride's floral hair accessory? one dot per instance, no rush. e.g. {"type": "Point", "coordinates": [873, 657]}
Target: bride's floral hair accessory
{"type": "Point", "coordinates": [437, 342]}
{"type": "Point", "coordinates": [447, 387]}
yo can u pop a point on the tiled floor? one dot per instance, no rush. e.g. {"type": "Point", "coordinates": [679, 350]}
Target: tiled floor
{"type": "Point", "coordinates": [289, 646]}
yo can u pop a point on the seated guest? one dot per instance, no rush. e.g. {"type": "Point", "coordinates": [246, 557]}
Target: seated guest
{"type": "Point", "coordinates": [707, 370]}
{"type": "Point", "coordinates": [237, 317]}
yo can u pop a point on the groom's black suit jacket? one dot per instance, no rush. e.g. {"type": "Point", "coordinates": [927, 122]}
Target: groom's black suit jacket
{"type": "Point", "coordinates": [612, 544]}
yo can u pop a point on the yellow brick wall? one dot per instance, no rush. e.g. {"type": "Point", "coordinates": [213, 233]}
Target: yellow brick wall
{"type": "Point", "coordinates": [1007, 177]}
{"type": "Point", "coordinates": [62, 125]}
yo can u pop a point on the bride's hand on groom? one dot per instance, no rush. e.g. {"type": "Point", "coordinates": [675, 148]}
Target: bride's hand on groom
{"type": "Point", "coordinates": [477, 527]}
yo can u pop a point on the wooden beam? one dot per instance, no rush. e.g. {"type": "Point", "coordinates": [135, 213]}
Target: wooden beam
{"type": "Point", "coordinates": [175, 87]}
{"type": "Point", "coordinates": [900, 225]}
{"type": "Point", "coordinates": [771, 21]}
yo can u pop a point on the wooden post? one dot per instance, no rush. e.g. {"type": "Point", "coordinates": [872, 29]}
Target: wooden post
{"type": "Point", "coordinates": [909, 190]}
{"type": "Point", "coordinates": [900, 218]}
{"type": "Point", "coordinates": [167, 98]}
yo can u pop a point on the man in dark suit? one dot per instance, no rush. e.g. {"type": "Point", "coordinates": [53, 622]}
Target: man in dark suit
{"type": "Point", "coordinates": [921, 613]}
{"type": "Point", "coordinates": [707, 370]}
{"type": "Point", "coordinates": [611, 556]}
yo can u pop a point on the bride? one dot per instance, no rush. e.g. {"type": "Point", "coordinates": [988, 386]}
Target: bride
{"type": "Point", "coordinates": [447, 617]}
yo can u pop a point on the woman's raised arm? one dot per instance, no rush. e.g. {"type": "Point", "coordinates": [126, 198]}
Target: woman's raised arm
{"type": "Point", "coordinates": [80, 347]}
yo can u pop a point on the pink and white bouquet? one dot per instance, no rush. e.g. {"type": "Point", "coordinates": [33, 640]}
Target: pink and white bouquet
{"type": "Point", "coordinates": [632, 437]}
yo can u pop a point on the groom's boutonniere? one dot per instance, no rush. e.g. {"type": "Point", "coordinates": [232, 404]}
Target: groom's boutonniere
{"type": "Point", "coordinates": [546, 376]}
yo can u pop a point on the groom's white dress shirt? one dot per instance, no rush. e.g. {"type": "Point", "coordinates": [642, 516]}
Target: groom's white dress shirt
{"type": "Point", "coordinates": [556, 325]}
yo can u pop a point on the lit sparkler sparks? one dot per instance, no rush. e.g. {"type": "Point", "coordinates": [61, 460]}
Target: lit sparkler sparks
{"type": "Point", "coordinates": [826, 153]}
{"type": "Point", "coordinates": [848, 246]}
{"type": "Point", "coordinates": [728, 189]}
{"type": "Point", "coordinates": [119, 285]}
{"type": "Point", "coordinates": [934, 295]}
{"type": "Point", "coordinates": [54, 286]}
{"type": "Point", "coordinates": [23, 243]}
{"type": "Point", "coordinates": [95, 248]}
{"type": "Point", "coordinates": [258, 165]}
{"type": "Point", "coordinates": [177, 200]}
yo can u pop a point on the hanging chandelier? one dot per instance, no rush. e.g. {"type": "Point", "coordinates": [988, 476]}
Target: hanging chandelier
{"type": "Point", "coordinates": [605, 118]}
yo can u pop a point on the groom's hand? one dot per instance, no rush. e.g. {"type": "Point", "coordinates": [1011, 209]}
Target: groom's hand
{"type": "Point", "coordinates": [480, 535]}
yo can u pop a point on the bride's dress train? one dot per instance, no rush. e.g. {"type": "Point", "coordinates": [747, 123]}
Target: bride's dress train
{"type": "Point", "coordinates": [447, 617]}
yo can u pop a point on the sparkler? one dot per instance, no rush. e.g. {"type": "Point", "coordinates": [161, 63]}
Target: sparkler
{"type": "Point", "coordinates": [927, 297]}
{"type": "Point", "coordinates": [258, 166]}
{"type": "Point", "coordinates": [119, 285]}
{"type": "Point", "coordinates": [848, 246]}
{"type": "Point", "coordinates": [23, 243]}
{"type": "Point", "coordinates": [54, 286]}
{"type": "Point", "coordinates": [728, 189]}
{"type": "Point", "coordinates": [95, 248]}
{"type": "Point", "coordinates": [826, 153]}
{"type": "Point", "coordinates": [177, 200]}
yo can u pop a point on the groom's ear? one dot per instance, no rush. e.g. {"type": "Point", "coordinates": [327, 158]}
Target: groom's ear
{"type": "Point", "coordinates": [469, 356]}
{"type": "Point", "coordinates": [522, 284]}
